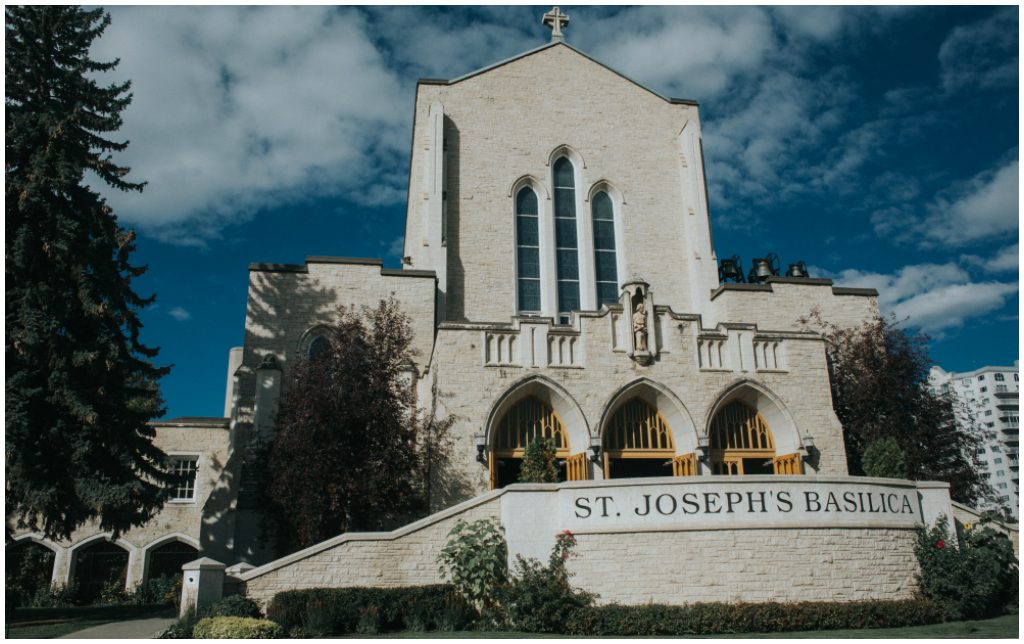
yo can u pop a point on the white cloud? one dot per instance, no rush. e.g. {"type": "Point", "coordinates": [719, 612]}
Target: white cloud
{"type": "Point", "coordinates": [397, 245]}
{"type": "Point", "coordinates": [932, 297]}
{"type": "Point", "coordinates": [179, 314]}
{"type": "Point", "coordinates": [239, 108]}
{"type": "Point", "coordinates": [985, 207]}
{"type": "Point", "coordinates": [981, 55]}
{"type": "Point", "coordinates": [691, 52]}
{"type": "Point", "coordinates": [1006, 260]}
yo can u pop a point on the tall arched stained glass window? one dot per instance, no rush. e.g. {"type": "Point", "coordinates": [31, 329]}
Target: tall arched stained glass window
{"type": "Point", "coordinates": [604, 249]}
{"type": "Point", "coordinates": [527, 251]}
{"type": "Point", "coordinates": [566, 246]}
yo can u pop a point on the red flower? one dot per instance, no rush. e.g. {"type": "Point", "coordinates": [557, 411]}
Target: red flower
{"type": "Point", "coordinates": [940, 544]}
{"type": "Point", "coordinates": [565, 556]}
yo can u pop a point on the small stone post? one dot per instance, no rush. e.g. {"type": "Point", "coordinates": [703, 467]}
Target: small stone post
{"type": "Point", "coordinates": [202, 584]}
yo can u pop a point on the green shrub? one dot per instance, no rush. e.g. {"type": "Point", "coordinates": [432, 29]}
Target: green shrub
{"type": "Point", "coordinates": [235, 606]}
{"type": "Point", "coordinates": [884, 459]}
{"type": "Point", "coordinates": [318, 612]}
{"type": "Point", "coordinates": [978, 579]}
{"type": "Point", "coordinates": [231, 606]}
{"type": "Point", "coordinates": [475, 561]}
{"type": "Point", "coordinates": [723, 618]}
{"type": "Point", "coordinates": [538, 464]}
{"type": "Point", "coordinates": [114, 594]}
{"type": "Point", "coordinates": [538, 598]}
{"type": "Point", "coordinates": [161, 590]}
{"type": "Point", "coordinates": [248, 628]}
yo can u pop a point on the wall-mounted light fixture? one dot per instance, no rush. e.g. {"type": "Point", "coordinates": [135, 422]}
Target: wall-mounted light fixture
{"type": "Point", "coordinates": [481, 448]}
{"type": "Point", "coordinates": [595, 447]}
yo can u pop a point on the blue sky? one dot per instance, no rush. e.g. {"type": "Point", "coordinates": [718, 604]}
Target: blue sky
{"type": "Point", "coordinates": [878, 144]}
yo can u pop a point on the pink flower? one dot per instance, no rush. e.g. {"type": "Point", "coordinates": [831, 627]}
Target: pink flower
{"type": "Point", "coordinates": [565, 556]}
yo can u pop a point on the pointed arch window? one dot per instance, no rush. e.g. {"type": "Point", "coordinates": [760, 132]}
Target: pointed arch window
{"type": "Point", "coordinates": [527, 252]}
{"type": "Point", "coordinates": [529, 419]}
{"type": "Point", "coordinates": [566, 243]}
{"type": "Point", "coordinates": [742, 443]}
{"type": "Point", "coordinates": [605, 270]}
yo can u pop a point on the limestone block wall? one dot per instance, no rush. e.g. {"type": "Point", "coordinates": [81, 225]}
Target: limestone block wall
{"type": "Point", "coordinates": [965, 515]}
{"type": "Point", "coordinates": [404, 557]}
{"type": "Point", "coordinates": [747, 565]}
{"type": "Point", "coordinates": [494, 135]}
{"type": "Point", "coordinates": [780, 303]}
{"type": "Point", "coordinates": [186, 521]}
{"type": "Point", "coordinates": [784, 551]}
{"type": "Point", "coordinates": [590, 390]}
{"type": "Point", "coordinates": [286, 301]}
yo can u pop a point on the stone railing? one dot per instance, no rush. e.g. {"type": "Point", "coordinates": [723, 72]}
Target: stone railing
{"type": "Point", "coordinates": [712, 352]}
{"type": "Point", "coordinates": [768, 355]}
{"type": "Point", "coordinates": [563, 351]}
{"type": "Point", "coordinates": [500, 348]}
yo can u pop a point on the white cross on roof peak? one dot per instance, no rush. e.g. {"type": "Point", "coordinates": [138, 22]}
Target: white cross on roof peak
{"type": "Point", "coordinates": [555, 20]}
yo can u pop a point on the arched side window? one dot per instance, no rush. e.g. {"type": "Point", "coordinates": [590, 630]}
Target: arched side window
{"type": "Point", "coordinates": [527, 252]}
{"type": "Point", "coordinates": [98, 565]}
{"type": "Point", "coordinates": [566, 243]}
{"type": "Point", "coordinates": [606, 273]}
{"type": "Point", "coordinates": [318, 348]}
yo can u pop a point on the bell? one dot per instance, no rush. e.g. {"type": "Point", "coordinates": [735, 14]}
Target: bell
{"type": "Point", "coordinates": [797, 270]}
{"type": "Point", "coordinates": [730, 270]}
{"type": "Point", "coordinates": [761, 269]}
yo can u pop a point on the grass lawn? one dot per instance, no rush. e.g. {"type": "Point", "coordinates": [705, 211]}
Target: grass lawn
{"type": "Point", "coordinates": [46, 623]}
{"type": "Point", "coordinates": [1006, 627]}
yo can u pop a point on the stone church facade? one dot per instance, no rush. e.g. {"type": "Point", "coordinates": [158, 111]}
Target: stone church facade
{"type": "Point", "coordinates": [561, 278]}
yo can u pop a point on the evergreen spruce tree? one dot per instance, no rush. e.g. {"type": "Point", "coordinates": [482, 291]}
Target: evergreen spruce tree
{"type": "Point", "coordinates": [538, 464]}
{"type": "Point", "coordinates": [80, 385]}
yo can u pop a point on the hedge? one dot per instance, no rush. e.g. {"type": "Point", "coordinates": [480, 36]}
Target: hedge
{"type": "Point", "coordinates": [233, 628]}
{"type": "Point", "coordinates": [716, 618]}
{"type": "Point", "coordinates": [336, 611]}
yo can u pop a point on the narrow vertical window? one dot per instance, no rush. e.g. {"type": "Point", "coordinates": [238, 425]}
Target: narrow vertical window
{"type": "Point", "coordinates": [566, 246]}
{"type": "Point", "coordinates": [528, 251]}
{"type": "Point", "coordinates": [604, 249]}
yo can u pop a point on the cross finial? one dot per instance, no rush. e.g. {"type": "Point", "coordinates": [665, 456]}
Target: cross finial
{"type": "Point", "coordinates": [555, 19]}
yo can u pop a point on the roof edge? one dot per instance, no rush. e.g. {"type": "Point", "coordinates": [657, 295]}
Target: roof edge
{"type": "Point", "coordinates": [436, 81]}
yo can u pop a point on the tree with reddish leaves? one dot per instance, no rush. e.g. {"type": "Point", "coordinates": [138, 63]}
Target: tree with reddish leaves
{"type": "Point", "coordinates": [879, 374]}
{"type": "Point", "coordinates": [349, 451]}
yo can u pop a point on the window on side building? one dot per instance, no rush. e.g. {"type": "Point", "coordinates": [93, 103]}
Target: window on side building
{"type": "Point", "coordinates": [185, 469]}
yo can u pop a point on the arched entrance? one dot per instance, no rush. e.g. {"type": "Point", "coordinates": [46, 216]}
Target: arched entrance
{"type": "Point", "coordinates": [100, 564]}
{"type": "Point", "coordinates": [29, 570]}
{"type": "Point", "coordinates": [527, 420]}
{"type": "Point", "coordinates": [166, 560]}
{"type": "Point", "coordinates": [638, 442]}
{"type": "Point", "coordinates": [741, 442]}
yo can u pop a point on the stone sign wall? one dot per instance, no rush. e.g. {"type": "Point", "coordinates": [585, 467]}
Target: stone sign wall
{"type": "Point", "coordinates": [667, 540]}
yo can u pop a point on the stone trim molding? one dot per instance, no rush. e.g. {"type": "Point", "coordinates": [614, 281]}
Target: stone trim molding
{"type": "Point", "coordinates": [801, 281]}
{"type": "Point", "coordinates": [348, 261]}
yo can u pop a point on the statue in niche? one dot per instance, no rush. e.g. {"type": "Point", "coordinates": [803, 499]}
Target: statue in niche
{"type": "Point", "coordinates": [640, 327]}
